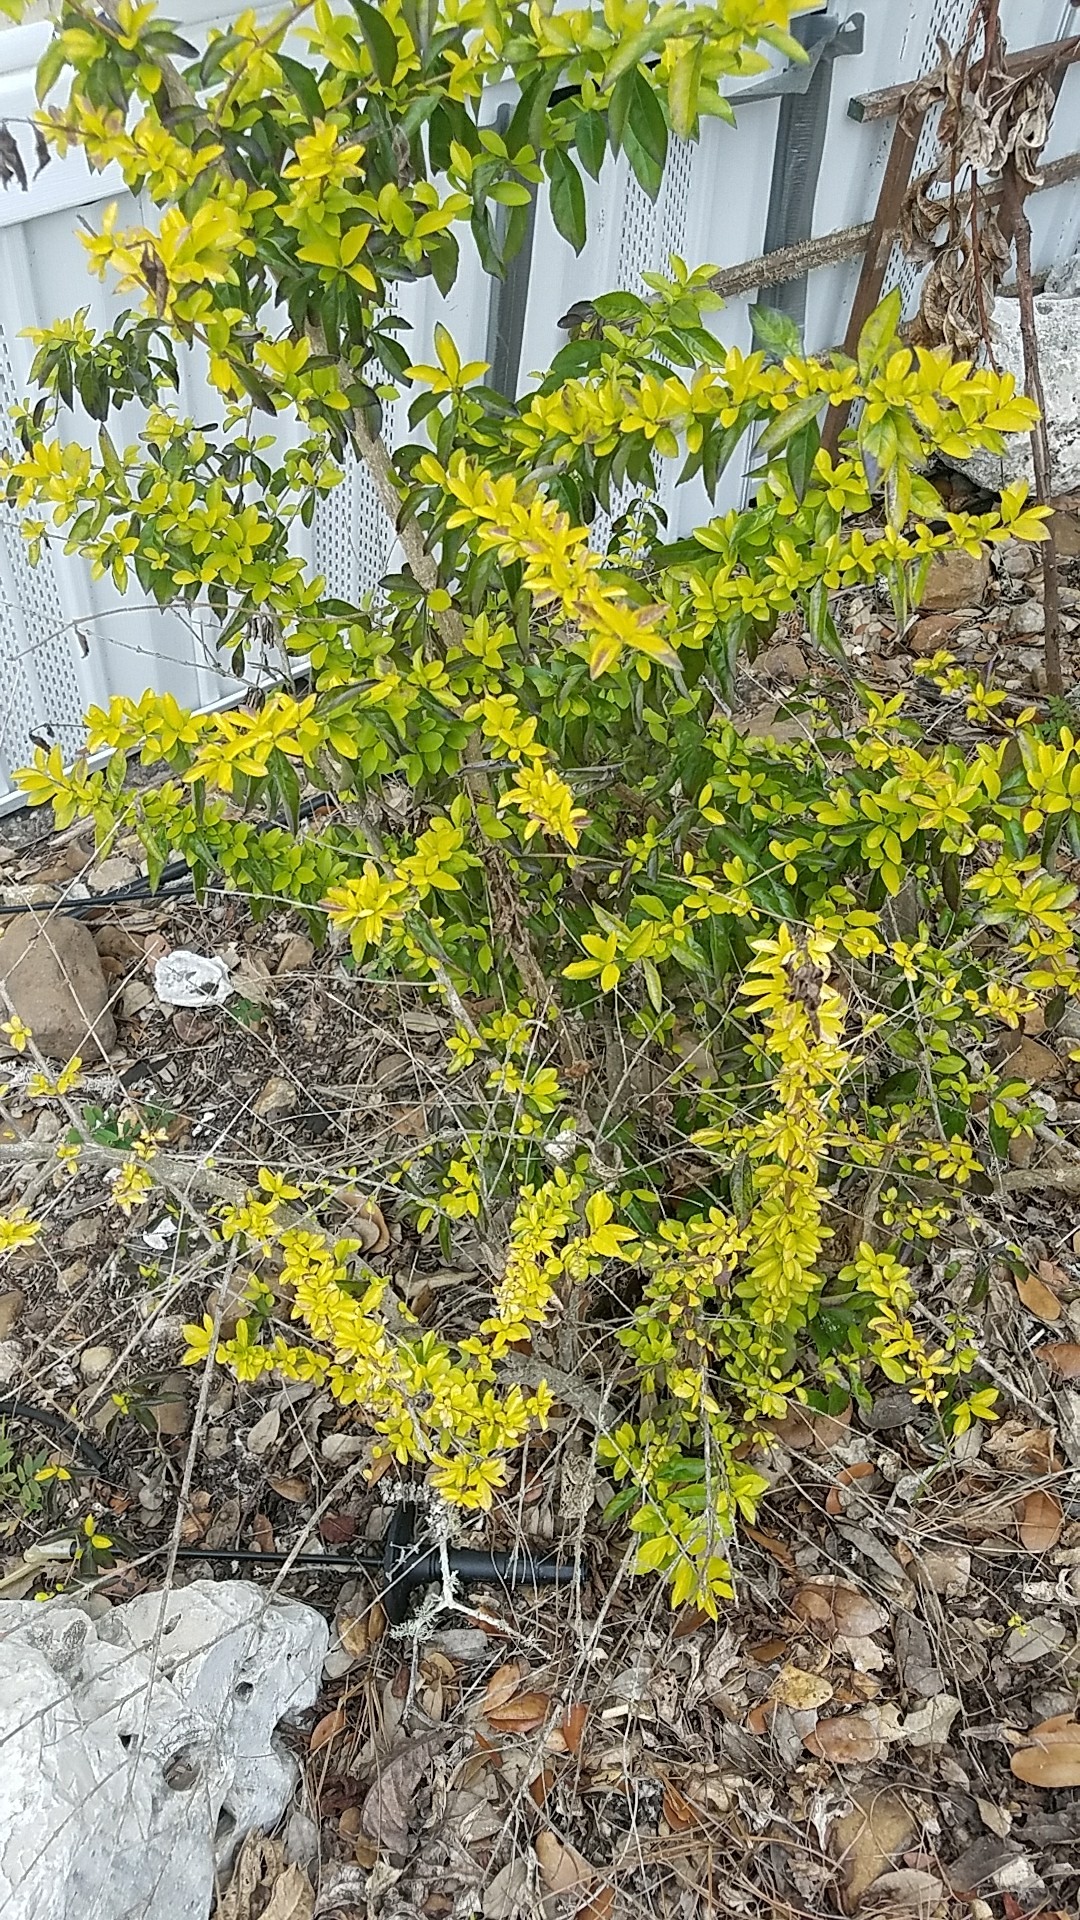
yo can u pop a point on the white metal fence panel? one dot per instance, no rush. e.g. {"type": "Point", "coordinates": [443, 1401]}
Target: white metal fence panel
{"type": "Point", "coordinates": [67, 641]}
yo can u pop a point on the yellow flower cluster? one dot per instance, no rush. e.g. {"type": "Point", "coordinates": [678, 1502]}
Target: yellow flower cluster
{"type": "Point", "coordinates": [17, 1230]}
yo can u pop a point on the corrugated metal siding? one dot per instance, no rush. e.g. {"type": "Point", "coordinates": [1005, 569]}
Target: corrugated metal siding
{"type": "Point", "coordinates": [66, 641]}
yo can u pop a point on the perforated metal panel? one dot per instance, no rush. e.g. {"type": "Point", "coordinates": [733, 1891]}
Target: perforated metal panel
{"type": "Point", "coordinates": [352, 538]}
{"type": "Point", "coordinates": [39, 688]}
{"type": "Point", "coordinates": [652, 230]}
{"type": "Point", "coordinates": [351, 535]}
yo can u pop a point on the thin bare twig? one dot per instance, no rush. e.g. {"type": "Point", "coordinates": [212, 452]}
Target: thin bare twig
{"type": "Point", "coordinates": [1040, 439]}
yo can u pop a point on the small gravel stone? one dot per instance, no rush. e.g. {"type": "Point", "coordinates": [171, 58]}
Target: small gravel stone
{"type": "Point", "coordinates": [1018, 560]}
{"type": "Point", "coordinates": [11, 1305]}
{"type": "Point", "coordinates": [1027, 618]}
{"type": "Point", "coordinates": [95, 1362]}
{"type": "Point", "coordinates": [11, 1359]}
{"type": "Point", "coordinates": [81, 1233]}
{"type": "Point", "coordinates": [110, 875]}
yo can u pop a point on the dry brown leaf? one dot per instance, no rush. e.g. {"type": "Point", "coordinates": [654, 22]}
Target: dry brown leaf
{"type": "Point", "coordinates": [1054, 1725]}
{"type": "Point", "coordinates": [505, 1897]}
{"type": "Point", "coordinates": [262, 1533]}
{"type": "Point", "coordinates": [359, 1632]}
{"type": "Point", "coordinates": [795, 1430]}
{"type": "Point", "coordinates": [297, 953]}
{"type": "Point", "coordinates": [368, 1222]}
{"type": "Point", "coordinates": [794, 1687]}
{"type": "Point", "coordinates": [769, 1650]}
{"type": "Point", "coordinates": [831, 1608]}
{"type": "Point", "coordinates": [688, 1620]}
{"type": "Point", "coordinates": [502, 1686]}
{"type": "Point", "coordinates": [908, 1894]}
{"type": "Point", "coordinates": [561, 1867]}
{"type": "Point", "coordinates": [293, 1897]}
{"type": "Point", "coordinates": [844, 1740]}
{"type": "Point", "coordinates": [1023, 1449]}
{"type": "Point", "coordinates": [573, 1727]}
{"type": "Point", "coordinates": [1052, 1760]}
{"type": "Point", "coordinates": [865, 1840]}
{"type": "Point", "coordinates": [523, 1714]}
{"type": "Point", "coordinates": [1038, 1298]}
{"type": "Point", "coordinates": [289, 1486]}
{"type": "Point", "coordinates": [265, 1887]}
{"type": "Point", "coordinates": [337, 1529]}
{"type": "Point", "coordinates": [384, 1816]}
{"type": "Point", "coordinates": [771, 1545]}
{"type": "Point", "coordinates": [265, 1431]}
{"type": "Point", "coordinates": [1041, 1521]}
{"type": "Point", "coordinates": [599, 1907]}
{"type": "Point", "coordinates": [679, 1812]}
{"type": "Point", "coordinates": [365, 1852]}
{"type": "Point", "coordinates": [859, 1470]}
{"type": "Point", "coordinates": [1063, 1358]}
{"type": "Point", "coordinates": [541, 1784]}
{"type": "Point", "coordinates": [328, 1728]}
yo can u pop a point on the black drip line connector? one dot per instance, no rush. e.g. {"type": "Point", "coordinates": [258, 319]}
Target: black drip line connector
{"type": "Point", "coordinates": [408, 1562]}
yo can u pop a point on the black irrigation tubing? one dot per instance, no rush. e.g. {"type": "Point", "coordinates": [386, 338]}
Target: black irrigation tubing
{"type": "Point", "coordinates": [14, 1409]}
{"type": "Point", "coordinates": [407, 1562]}
{"type": "Point", "coordinates": [174, 883]}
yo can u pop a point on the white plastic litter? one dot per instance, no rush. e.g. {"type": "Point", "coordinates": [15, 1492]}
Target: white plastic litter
{"type": "Point", "coordinates": [184, 979]}
{"type": "Point", "coordinates": [159, 1238]}
{"type": "Point", "coordinates": [138, 1749]}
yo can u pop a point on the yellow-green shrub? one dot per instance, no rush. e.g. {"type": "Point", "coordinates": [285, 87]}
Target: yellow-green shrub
{"type": "Point", "coordinates": [592, 844]}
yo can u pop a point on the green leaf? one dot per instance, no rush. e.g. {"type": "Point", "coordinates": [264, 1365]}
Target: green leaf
{"type": "Point", "coordinates": [879, 333]}
{"type": "Point", "coordinates": [647, 121]}
{"type": "Point", "coordinates": [822, 625]}
{"type": "Point", "coordinates": [527, 127]}
{"type": "Point", "coordinates": [649, 172]}
{"type": "Point", "coordinates": [590, 138]}
{"type": "Point", "coordinates": [304, 85]}
{"type": "Point", "coordinates": [254, 385]}
{"type": "Point", "coordinates": [787, 424]}
{"type": "Point", "coordinates": [776, 333]}
{"type": "Point", "coordinates": [484, 234]}
{"type": "Point", "coordinates": [622, 99]}
{"type": "Point", "coordinates": [380, 40]}
{"type": "Point", "coordinates": [567, 196]}
{"type": "Point", "coordinates": [898, 494]}
{"type": "Point", "coordinates": [110, 459]}
{"type": "Point", "coordinates": [620, 307]}
{"type": "Point", "coordinates": [632, 51]}
{"type": "Point", "coordinates": [802, 451]}
{"type": "Point", "coordinates": [213, 60]}
{"type": "Point", "coordinates": [50, 67]}
{"type": "Point", "coordinates": [683, 88]}
{"type": "Point", "coordinates": [742, 1187]}
{"type": "Point", "coordinates": [653, 986]}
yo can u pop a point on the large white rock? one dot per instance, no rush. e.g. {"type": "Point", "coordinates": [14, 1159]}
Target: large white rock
{"type": "Point", "coordinates": [1058, 329]}
{"type": "Point", "coordinates": [138, 1749]}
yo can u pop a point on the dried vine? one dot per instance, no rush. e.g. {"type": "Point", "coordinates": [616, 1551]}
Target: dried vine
{"type": "Point", "coordinates": [992, 123]}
